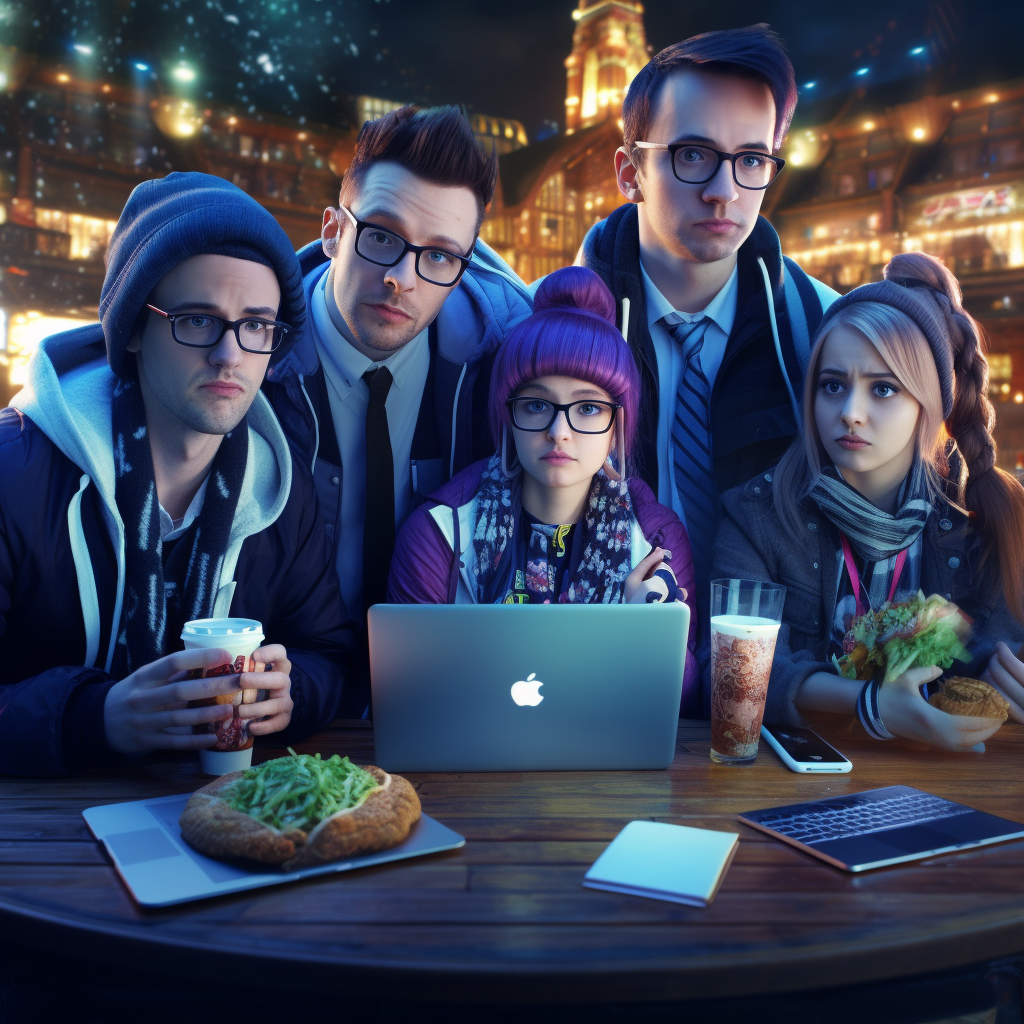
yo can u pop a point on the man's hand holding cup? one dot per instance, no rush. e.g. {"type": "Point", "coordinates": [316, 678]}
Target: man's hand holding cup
{"type": "Point", "coordinates": [270, 708]}
{"type": "Point", "coordinates": [148, 710]}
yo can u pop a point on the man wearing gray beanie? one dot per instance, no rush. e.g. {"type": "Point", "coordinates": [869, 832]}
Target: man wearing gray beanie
{"type": "Point", "coordinates": [145, 482]}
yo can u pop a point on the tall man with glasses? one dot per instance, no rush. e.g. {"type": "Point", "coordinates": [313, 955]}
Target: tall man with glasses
{"type": "Point", "coordinates": [719, 320]}
{"type": "Point", "coordinates": [144, 482]}
{"type": "Point", "coordinates": [385, 396]}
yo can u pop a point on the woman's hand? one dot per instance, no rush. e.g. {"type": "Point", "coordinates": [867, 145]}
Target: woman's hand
{"type": "Point", "coordinates": [274, 712]}
{"type": "Point", "coordinates": [1006, 673]}
{"type": "Point", "coordinates": [636, 588]}
{"type": "Point", "coordinates": [904, 712]}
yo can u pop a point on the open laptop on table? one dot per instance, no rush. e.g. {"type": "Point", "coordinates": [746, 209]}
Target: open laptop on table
{"type": "Point", "coordinates": [526, 687]}
{"type": "Point", "coordinates": [880, 827]}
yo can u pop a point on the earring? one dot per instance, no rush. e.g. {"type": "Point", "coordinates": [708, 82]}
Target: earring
{"type": "Point", "coordinates": [508, 470]}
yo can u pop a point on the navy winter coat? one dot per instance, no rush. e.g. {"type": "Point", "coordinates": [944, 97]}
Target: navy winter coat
{"type": "Point", "coordinates": [753, 418]}
{"type": "Point", "coordinates": [57, 522]}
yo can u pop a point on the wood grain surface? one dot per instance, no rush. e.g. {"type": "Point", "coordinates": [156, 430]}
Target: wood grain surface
{"type": "Point", "coordinates": [506, 918]}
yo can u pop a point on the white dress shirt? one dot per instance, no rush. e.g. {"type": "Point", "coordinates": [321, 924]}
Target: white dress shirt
{"type": "Point", "coordinates": [344, 366]}
{"type": "Point", "coordinates": [172, 529]}
{"type": "Point", "coordinates": [721, 312]}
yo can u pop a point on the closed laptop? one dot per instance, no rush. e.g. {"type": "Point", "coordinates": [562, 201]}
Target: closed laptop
{"type": "Point", "coordinates": [526, 687]}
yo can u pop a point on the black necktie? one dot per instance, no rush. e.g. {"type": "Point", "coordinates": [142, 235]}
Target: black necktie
{"type": "Point", "coordinates": [379, 523]}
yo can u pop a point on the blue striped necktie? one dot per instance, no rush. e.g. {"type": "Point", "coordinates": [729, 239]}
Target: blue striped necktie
{"type": "Point", "coordinates": [691, 444]}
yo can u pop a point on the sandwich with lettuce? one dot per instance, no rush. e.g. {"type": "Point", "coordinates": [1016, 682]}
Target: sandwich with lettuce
{"type": "Point", "coordinates": [902, 635]}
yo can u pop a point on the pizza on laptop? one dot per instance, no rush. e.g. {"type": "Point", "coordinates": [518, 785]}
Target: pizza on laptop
{"type": "Point", "coordinates": [300, 812]}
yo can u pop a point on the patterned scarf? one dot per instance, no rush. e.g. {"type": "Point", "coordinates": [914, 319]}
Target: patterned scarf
{"type": "Point", "coordinates": [605, 545]}
{"type": "Point", "coordinates": [158, 595]}
{"type": "Point", "coordinates": [874, 534]}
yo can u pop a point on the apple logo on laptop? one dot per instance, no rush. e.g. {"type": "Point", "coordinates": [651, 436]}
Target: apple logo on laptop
{"type": "Point", "coordinates": [525, 692]}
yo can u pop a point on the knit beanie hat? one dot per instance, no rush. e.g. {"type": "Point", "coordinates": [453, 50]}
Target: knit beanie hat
{"type": "Point", "coordinates": [168, 220]}
{"type": "Point", "coordinates": [913, 298]}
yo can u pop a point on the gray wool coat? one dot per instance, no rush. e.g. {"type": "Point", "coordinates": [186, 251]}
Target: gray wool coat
{"type": "Point", "coordinates": [753, 544]}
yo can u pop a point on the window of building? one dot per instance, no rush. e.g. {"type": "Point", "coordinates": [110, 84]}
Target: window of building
{"type": "Point", "coordinates": [1006, 116]}
{"type": "Point", "coordinates": [89, 235]}
{"type": "Point", "coordinates": [1000, 366]}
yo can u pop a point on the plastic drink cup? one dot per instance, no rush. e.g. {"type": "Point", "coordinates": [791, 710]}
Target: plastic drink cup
{"type": "Point", "coordinates": [745, 617]}
{"type": "Point", "coordinates": [239, 637]}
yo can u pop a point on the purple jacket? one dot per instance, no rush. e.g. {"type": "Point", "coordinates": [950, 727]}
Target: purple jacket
{"type": "Point", "coordinates": [424, 569]}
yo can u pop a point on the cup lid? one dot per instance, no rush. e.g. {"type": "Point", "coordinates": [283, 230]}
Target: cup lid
{"type": "Point", "coordinates": [222, 627]}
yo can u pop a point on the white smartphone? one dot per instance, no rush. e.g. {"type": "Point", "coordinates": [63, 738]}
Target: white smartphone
{"type": "Point", "coordinates": [804, 751]}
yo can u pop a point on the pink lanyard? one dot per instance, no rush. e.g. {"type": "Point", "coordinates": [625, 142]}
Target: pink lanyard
{"type": "Point", "coordinates": [901, 559]}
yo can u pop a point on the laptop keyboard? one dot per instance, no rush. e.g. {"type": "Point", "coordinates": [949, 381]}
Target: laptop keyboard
{"type": "Point", "coordinates": [841, 822]}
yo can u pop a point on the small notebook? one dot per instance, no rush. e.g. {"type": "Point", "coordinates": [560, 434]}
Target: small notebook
{"type": "Point", "coordinates": [665, 862]}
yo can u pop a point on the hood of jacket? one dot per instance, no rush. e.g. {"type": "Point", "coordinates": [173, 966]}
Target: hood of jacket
{"type": "Point", "coordinates": [68, 396]}
{"type": "Point", "coordinates": [475, 317]}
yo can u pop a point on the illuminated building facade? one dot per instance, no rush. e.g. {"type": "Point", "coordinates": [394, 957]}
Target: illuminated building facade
{"type": "Point", "coordinates": [71, 151]}
{"type": "Point", "coordinates": [943, 175]}
{"type": "Point", "coordinates": [549, 194]}
{"type": "Point", "coordinates": [608, 49]}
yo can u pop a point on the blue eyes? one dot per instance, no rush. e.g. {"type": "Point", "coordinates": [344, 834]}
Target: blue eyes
{"type": "Point", "coordinates": [880, 389]}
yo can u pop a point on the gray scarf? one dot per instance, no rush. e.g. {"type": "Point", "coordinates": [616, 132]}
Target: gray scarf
{"type": "Point", "coordinates": [874, 534]}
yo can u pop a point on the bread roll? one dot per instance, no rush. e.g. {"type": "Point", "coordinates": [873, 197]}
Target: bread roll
{"type": "Point", "coordinates": [962, 696]}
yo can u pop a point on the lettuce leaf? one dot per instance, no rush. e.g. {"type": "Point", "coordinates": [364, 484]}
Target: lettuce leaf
{"type": "Point", "coordinates": [904, 635]}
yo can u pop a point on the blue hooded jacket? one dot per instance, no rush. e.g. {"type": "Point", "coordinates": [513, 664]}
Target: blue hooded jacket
{"type": "Point", "coordinates": [63, 542]}
{"type": "Point", "coordinates": [453, 428]}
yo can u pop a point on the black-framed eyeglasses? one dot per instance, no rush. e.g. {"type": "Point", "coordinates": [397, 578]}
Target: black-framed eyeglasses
{"type": "Point", "coordinates": [588, 416]}
{"type": "Point", "coordinates": [385, 248]}
{"type": "Point", "coordinates": [200, 330]}
{"type": "Point", "coordinates": [695, 165]}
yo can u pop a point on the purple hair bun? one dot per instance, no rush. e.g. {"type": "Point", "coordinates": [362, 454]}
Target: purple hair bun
{"type": "Point", "coordinates": [577, 290]}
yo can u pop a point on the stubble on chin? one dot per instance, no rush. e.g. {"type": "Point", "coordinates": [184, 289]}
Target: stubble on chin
{"type": "Point", "coordinates": [222, 416]}
{"type": "Point", "coordinates": [384, 338]}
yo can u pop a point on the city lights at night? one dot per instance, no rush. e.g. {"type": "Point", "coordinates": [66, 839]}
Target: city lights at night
{"type": "Point", "coordinates": [301, 357]}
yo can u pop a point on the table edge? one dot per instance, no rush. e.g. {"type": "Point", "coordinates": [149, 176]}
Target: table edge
{"type": "Point", "coordinates": [766, 971]}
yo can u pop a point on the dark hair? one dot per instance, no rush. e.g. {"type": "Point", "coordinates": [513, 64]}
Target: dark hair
{"type": "Point", "coordinates": [436, 144]}
{"type": "Point", "coordinates": [754, 52]}
{"type": "Point", "coordinates": [571, 333]}
{"type": "Point", "coordinates": [994, 498]}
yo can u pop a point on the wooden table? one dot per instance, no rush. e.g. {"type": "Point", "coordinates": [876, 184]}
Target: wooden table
{"type": "Point", "coordinates": [505, 918]}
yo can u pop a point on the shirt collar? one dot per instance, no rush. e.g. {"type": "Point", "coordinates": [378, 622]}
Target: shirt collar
{"type": "Point", "coordinates": [168, 531]}
{"type": "Point", "coordinates": [721, 309]}
{"type": "Point", "coordinates": [344, 363]}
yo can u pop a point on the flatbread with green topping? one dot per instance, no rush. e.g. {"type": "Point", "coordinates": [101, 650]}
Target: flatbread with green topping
{"type": "Point", "coordinates": [300, 812]}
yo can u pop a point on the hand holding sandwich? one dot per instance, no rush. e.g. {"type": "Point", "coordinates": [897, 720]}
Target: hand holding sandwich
{"type": "Point", "coordinates": [906, 714]}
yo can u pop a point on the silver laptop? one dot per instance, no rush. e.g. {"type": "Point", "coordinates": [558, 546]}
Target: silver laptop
{"type": "Point", "coordinates": [464, 688]}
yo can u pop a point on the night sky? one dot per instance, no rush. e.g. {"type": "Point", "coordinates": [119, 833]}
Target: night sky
{"type": "Point", "coordinates": [299, 58]}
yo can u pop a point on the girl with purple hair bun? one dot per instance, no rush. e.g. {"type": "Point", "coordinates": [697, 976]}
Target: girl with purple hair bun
{"type": "Point", "coordinates": [553, 516]}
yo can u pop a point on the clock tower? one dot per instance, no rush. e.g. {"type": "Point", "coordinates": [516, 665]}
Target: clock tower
{"type": "Point", "coordinates": [608, 49]}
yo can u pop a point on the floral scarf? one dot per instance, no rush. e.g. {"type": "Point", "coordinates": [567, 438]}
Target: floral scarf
{"type": "Point", "coordinates": [605, 545]}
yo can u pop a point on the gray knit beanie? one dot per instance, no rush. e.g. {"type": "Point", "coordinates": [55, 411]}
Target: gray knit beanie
{"type": "Point", "coordinates": [917, 300]}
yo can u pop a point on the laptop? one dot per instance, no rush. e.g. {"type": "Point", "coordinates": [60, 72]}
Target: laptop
{"type": "Point", "coordinates": [483, 688]}
{"type": "Point", "coordinates": [160, 869]}
{"type": "Point", "coordinates": [881, 827]}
